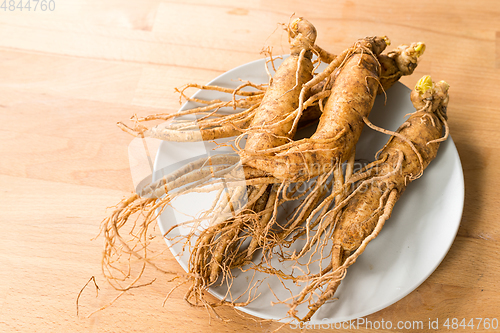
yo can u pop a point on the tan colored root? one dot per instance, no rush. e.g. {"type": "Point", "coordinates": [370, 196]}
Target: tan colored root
{"type": "Point", "coordinates": [220, 256]}
{"type": "Point", "coordinates": [404, 161]}
{"type": "Point", "coordinates": [402, 137]}
{"type": "Point", "coordinates": [324, 145]}
{"type": "Point", "coordinates": [216, 244]}
{"type": "Point", "coordinates": [198, 176]}
{"type": "Point", "coordinates": [339, 194]}
{"type": "Point", "coordinates": [333, 278]}
{"type": "Point", "coordinates": [237, 91]}
{"type": "Point", "coordinates": [114, 255]}
{"type": "Point", "coordinates": [226, 240]}
{"type": "Point", "coordinates": [250, 103]}
{"type": "Point", "coordinates": [210, 121]}
{"type": "Point", "coordinates": [212, 105]}
{"type": "Point", "coordinates": [395, 64]}
{"type": "Point", "coordinates": [324, 55]}
{"type": "Point", "coordinates": [338, 62]}
{"type": "Point", "coordinates": [260, 229]}
{"type": "Point", "coordinates": [216, 249]}
{"type": "Point", "coordinates": [266, 234]}
{"type": "Point", "coordinates": [323, 221]}
{"type": "Point", "coordinates": [443, 119]}
{"type": "Point", "coordinates": [234, 222]}
{"type": "Point", "coordinates": [308, 208]}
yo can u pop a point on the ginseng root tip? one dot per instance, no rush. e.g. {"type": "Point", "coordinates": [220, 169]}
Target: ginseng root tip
{"type": "Point", "coordinates": [424, 84]}
{"type": "Point", "coordinates": [295, 24]}
{"type": "Point", "coordinates": [420, 48]}
{"type": "Point", "coordinates": [444, 84]}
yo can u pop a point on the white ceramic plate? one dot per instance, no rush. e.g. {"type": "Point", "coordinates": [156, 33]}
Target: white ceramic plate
{"type": "Point", "coordinates": [410, 247]}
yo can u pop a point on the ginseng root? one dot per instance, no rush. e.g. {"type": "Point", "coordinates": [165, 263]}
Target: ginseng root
{"type": "Point", "coordinates": [397, 63]}
{"type": "Point", "coordinates": [359, 218]}
{"type": "Point", "coordinates": [264, 110]}
{"type": "Point", "coordinates": [270, 125]}
{"type": "Point", "coordinates": [352, 96]}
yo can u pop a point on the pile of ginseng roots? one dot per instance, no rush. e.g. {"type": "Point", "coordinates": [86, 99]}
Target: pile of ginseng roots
{"type": "Point", "coordinates": [337, 209]}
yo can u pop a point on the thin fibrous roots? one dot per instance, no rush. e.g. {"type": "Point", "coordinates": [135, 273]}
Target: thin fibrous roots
{"type": "Point", "coordinates": [267, 234]}
{"type": "Point", "coordinates": [214, 252]}
{"type": "Point", "coordinates": [243, 217]}
{"type": "Point", "coordinates": [348, 227]}
{"type": "Point", "coordinates": [213, 123]}
{"type": "Point", "coordinates": [339, 127]}
{"type": "Point", "coordinates": [395, 64]}
{"type": "Point", "coordinates": [332, 279]}
{"type": "Point", "coordinates": [231, 240]}
{"type": "Point", "coordinates": [135, 215]}
{"type": "Point", "coordinates": [249, 98]}
{"type": "Point", "coordinates": [216, 247]}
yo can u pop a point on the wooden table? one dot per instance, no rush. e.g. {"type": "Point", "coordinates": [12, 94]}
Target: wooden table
{"type": "Point", "coordinates": [67, 76]}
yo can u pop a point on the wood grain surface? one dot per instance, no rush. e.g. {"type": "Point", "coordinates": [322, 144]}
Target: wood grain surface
{"type": "Point", "coordinates": [68, 75]}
